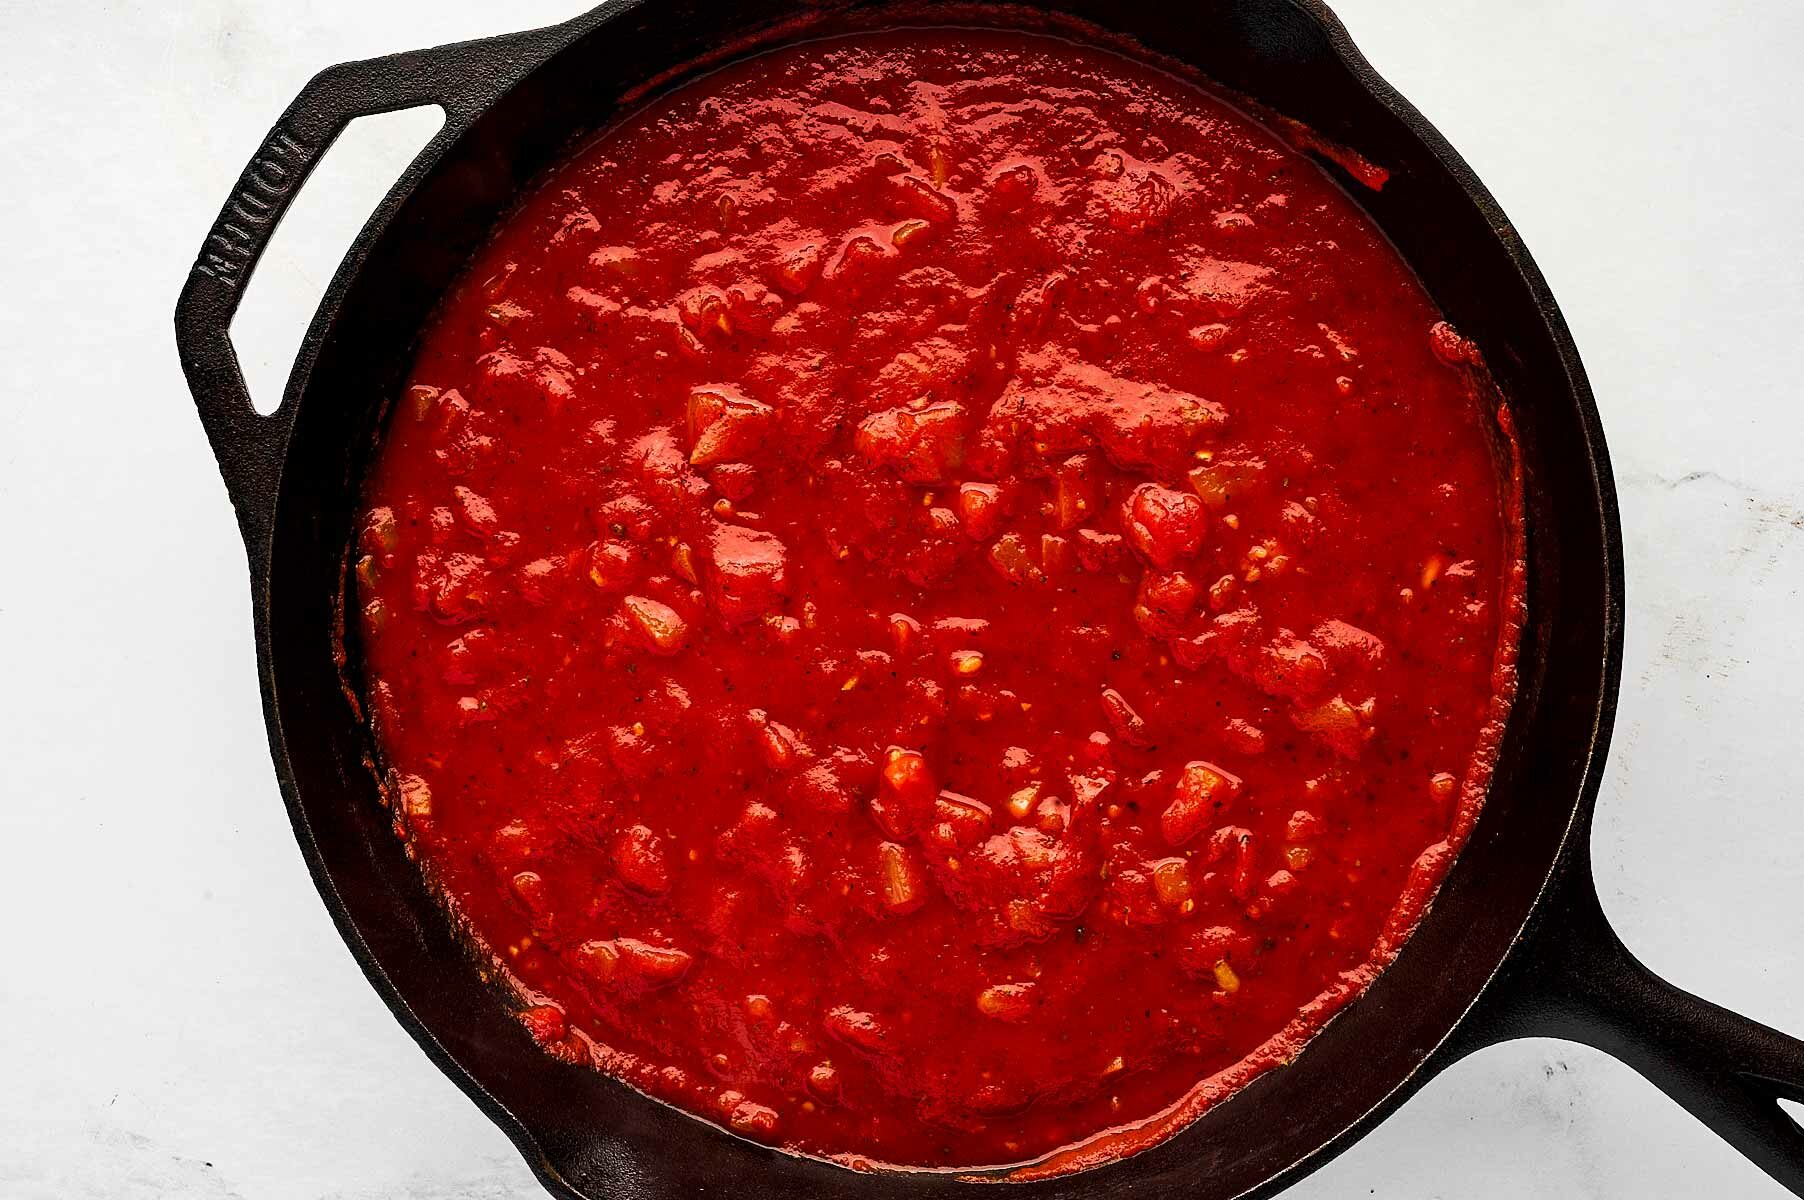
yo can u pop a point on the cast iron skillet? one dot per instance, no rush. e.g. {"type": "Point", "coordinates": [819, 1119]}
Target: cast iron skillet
{"type": "Point", "coordinates": [1516, 945]}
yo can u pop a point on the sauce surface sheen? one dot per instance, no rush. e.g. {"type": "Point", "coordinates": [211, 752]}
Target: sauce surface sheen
{"type": "Point", "coordinates": [937, 594]}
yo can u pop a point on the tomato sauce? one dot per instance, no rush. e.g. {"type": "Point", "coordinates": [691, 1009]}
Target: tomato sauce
{"type": "Point", "coordinates": [938, 595]}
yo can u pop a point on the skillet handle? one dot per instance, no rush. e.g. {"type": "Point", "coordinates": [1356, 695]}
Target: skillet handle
{"type": "Point", "coordinates": [1572, 978]}
{"type": "Point", "coordinates": [464, 79]}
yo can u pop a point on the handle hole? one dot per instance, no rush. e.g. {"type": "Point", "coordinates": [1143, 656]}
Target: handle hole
{"type": "Point", "coordinates": [1794, 1110]}
{"type": "Point", "coordinates": [304, 253]}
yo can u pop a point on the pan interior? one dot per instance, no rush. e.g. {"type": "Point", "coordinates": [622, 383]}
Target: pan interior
{"type": "Point", "coordinates": [595, 1134]}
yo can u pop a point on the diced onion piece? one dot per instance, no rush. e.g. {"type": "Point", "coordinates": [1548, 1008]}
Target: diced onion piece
{"type": "Point", "coordinates": [1075, 492]}
{"type": "Point", "coordinates": [1023, 801]}
{"type": "Point", "coordinates": [1010, 557]}
{"type": "Point", "coordinates": [1346, 727]}
{"type": "Point", "coordinates": [909, 231]}
{"type": "Point", "coordinates": [1007, 1001]}
{"type": "Point", "coordinates": [754, 1120]}
{"type": "Point", "coordinates": [1219, 484]}
{"type": "Point", "coordinates": [904, 632]}
{"type": "Point", "coordinates": [823, 1080]}
{"type": "Point", "coordinates": [781, 746]}
{"type": "Point", "coordinates": [1171, 879]}
{"type": "Point", "coordinates": [664, 629]}
{"type": "Point", "coordinates": [962, 820]}
{"type": "Point", "coordinates": [899, 878]}
{"type": "Point", "coordinates": [856, 1028]}
{"type": "Point", "coordinates": [613, 566]}
{"type": "Point", "coordinates": [653, 966]}
{"type": "Point", "coordinates": [599, 959]}
{"type": "Point", "coordinates": [966, 662]}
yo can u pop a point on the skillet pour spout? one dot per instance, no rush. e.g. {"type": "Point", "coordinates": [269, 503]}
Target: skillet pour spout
{"type": "Point", "coordinates": [1515, 945]}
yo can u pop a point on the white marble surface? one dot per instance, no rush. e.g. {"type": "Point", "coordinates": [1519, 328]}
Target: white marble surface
{"type": "Point", "coordinates": [177, 1017]}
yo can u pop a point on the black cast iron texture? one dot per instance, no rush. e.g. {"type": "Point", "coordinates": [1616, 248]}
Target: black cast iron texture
{"type": "Point", "coordinates": [1516, 945]}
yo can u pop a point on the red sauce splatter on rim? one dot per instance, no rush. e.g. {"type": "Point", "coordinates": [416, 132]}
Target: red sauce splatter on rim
{"type": "Point", "coordinates": [939, 598]}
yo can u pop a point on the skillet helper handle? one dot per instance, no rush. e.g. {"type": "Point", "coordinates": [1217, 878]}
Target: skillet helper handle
{"type": "Point", "coordinates": [463, 79]}
{"type": "Point", "coordinates": [1572, 978]}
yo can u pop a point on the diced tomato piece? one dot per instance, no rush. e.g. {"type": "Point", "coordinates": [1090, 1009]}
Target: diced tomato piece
{"type": "Point", "coordinates": [1208, 948]}
{"type": "Point", "coordinates": [921, 445]}
{"type": "Point", "coordinates": [1165, 601]}
{"type": "Point", "coordinates": [1233, 846]}
{"type": "Point", "coordinates": [821, 789]}
{"type": "Point", "coordinates": [750, 575]}
{"type": "Point", "coordinates": [960, 821]}
{"type": "Point", "coordinates": [627, 517]}
{"type": "Point", "coordinates": [631, 965]}
{"type": "Point", "coordinates": [858, 262]}
{"type": "Point", "coordinates": [736, 481]}
{"type": "Point", "coordinates": [613, 566]}
{"type": "Point", "coordinates": [725, 424]}
{"type": "Point", "coordinates": [640, 862]}
{"type": "Point", "coordinates": [1244, 736]}
{"type": "Point", "coordinates": [1139, 198]}
{"type": "Point", "coordinates": [752, 307]}
{"type": "Point", "coordinates": [1290, 668]}
{"type": "Point", "coordinates": [545, 1022]}
{"type": "Point", "coordinates": [908, 783]}
{"type": "Point", "coordinates": [541, 579]}
{"type": "Point", "coordinates": [454, 588]}
{"type": "Point", "coordinates": [704, 313]}
{"type": "Point", "coordinates": [544, 378]}
{"type": "Point", "coordinates": [1128, 725]}
{"type": "Point", "coordinates": [919, 198]}
{"type": "Point", "coordinates": [411, 797]}
{"type": "Point", "coordinates": [797, 267]}
{"type": "Point", "coordinates": [1012, 186]}
{"type": "Point", "coordinates": [1348, 645]}
{"type": "Point", "coordinates": [1164, 525]}
{"type": "Point", "coordinates": [753, 1120]}
{"type": "Point", "coordinates": [1452, 347]}
{"type": "Point", "coordinates": [980, 509]}
{"type": "Point", "coordinates": [657, 966]}
{"type": "Point", "coordinates": [1098, 551]}
{"type": "Point", "coordinates": [477, 514]}
{"type": "Point", "coordinates": [1201, 794]}
{"type": "Point", "coordinates": [823, 1080]}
